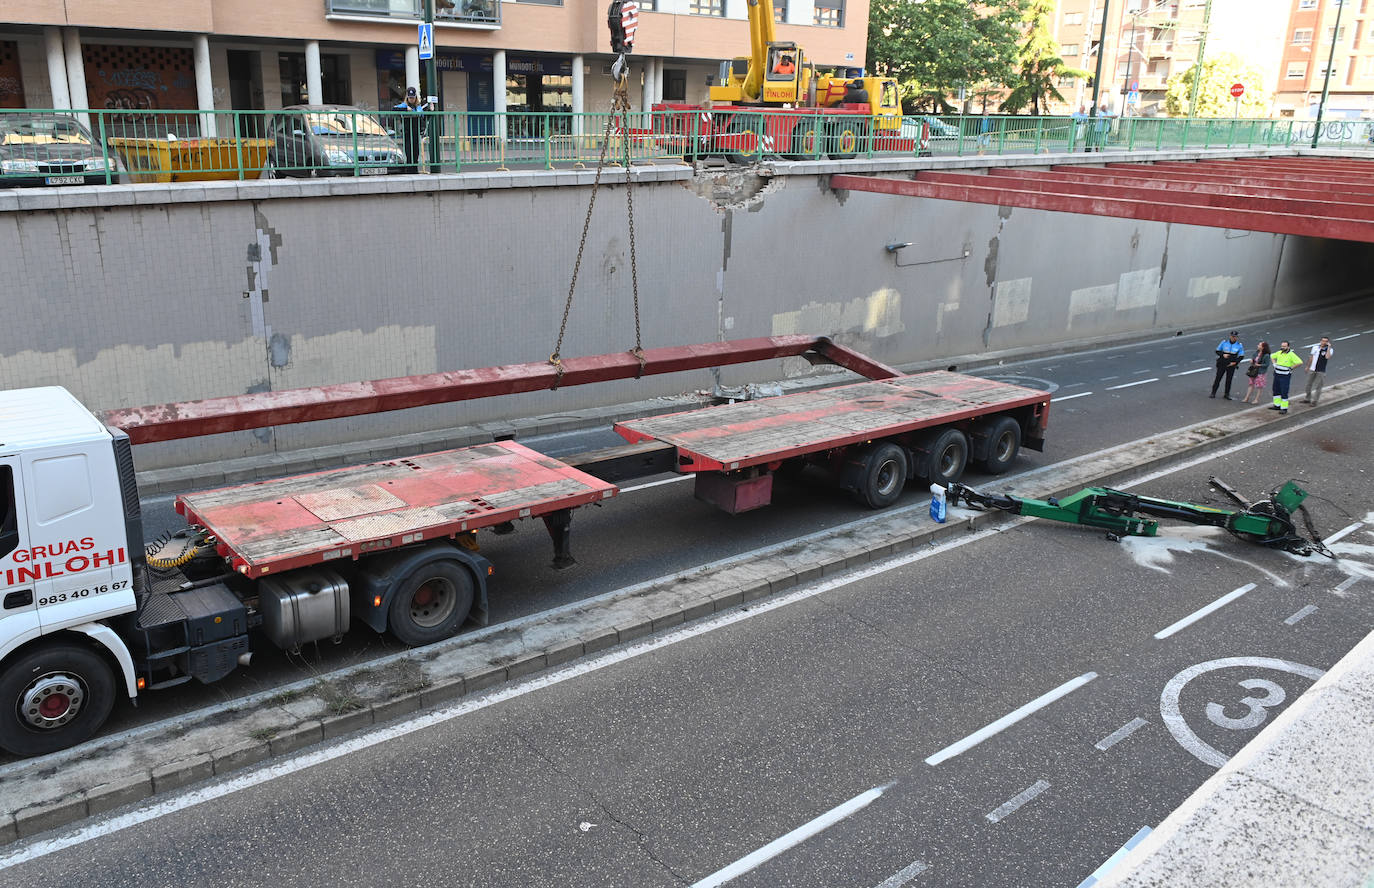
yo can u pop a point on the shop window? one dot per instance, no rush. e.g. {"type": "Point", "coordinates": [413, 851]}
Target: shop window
{"type": "Point", "coordinates": [11, 78]}
{"type": "Point", "coordinates": [830, 13]}
{"type": "Point", "coordinates": [334, 84]}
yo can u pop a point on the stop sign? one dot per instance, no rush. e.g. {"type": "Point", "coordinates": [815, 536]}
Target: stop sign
{"type": "Point", "coordinates": [1237, 90]}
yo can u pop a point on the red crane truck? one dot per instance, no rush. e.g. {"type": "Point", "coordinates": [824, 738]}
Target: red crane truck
{"type": "Point", "coordinates": [88, 616]}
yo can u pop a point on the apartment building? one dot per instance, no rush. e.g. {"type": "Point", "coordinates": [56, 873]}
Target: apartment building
{"type": "Point", "coordinates": [1149, 42]}
{"type": "Point", "coordinates": [1311, 35]}
{"type": "Point", "coordinates": [517, 55]}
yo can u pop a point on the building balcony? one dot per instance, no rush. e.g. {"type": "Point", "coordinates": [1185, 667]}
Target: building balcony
{"type": "Point", "coordinates": [455, 12]}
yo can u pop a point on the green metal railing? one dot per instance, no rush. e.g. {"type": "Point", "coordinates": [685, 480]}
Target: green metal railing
{"type": "Point", "coordinates": [46, 147]}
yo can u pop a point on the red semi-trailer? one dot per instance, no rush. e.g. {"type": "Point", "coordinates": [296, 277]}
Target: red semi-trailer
{"type": "Point", "coordinates": [86, 616]}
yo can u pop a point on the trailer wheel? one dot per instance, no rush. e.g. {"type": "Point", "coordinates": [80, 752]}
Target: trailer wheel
{"type": "Point", "coordinates": [805, 136]}
{"type": "Point", "coordinates": [431, 603]}
{"type": "Point", "coordinates": [741, 131]}
{"type": "Point", "coordinates": [1004, 443]}
{"type": "Point", "coordinates": [54, 697]}
{"type": "Point", "coordinates": [948, 457]}
{"type": "Point", "coordinates": [846, 138]}
{"type": "Point", "coordinates": [884, 476]}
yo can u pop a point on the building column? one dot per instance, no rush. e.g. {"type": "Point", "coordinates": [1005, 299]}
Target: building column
{"type": "Point", "coordinates": [413, 67]}
{"type": "Point", "coordinates": [578, 96]}
{"type": "Point", "coordinates": [646, 96]}
{"type": "Point", "coordinates": [314, 82]}
{"type": "Point", "coordinates": [498, 90]}
{"type": "Point", "coordinates": [658, 81]}
{"type": "Point", "coordinates": [76, 72]}
{"type": "Point", "coordinates": [205, 92]}
{"type": "Point", "coordinates": [57, 68]}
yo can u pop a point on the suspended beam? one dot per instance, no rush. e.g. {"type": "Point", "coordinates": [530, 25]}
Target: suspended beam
{"type": "Point", "coordinates": [212, 416]}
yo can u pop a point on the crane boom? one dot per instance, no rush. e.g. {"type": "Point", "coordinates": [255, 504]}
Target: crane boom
{"type": "Point", "coordinates": [761, 34]}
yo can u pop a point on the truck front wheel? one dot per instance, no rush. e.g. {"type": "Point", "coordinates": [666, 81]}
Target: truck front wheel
{"type": "Point", "coordinates": [54, 697]}
{"type": "Point", "coordinates": [431, 603]}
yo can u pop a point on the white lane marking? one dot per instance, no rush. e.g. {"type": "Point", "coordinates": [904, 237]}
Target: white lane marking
{"type": "Point", "coordinates": [1346, 584]}
{"type": "Point", "coordinates": [1069, 385]}
{"type": "Point", "coordinates": [1172, 714]}
{"type": "Point", "coordinates": [1204, 611]}
{"type": "Point", "coordinates": [1121, 733]}
{"type": "Point", "coordinates": [1110, 863]}
{"type": "Point", "coordinates": [908, 872]}
{"type": "Point", "coordinates": [1010, 719]}
{"type": "Point", "coordinates": [1126, 385]}
{"type": "Point", "coordinates": [1187, 372]}
{"type": "Point", "coordinates": [1168, 366]}
{"type": "Point", "coordinates": [1342, 338]}
{"type": "Point", "coordinates": [1305, 612]}
{"type": "Point", "coordinates": [1108, 378]}
{"type": "Point", "coordinates": [1007, 808]}
{"type": "Point", "coordinates": [795, 837]}
{"type": "Point", "coordinates": [1070, 397]}
{"type": "Point", "coordinates": [357, 743]}
{"type": "Point", "coordinates": [1343, 532]}
{"type": "Point", "coordinates": [1138, 372]}
{"type": "Point", "coordinates": [657, 483]}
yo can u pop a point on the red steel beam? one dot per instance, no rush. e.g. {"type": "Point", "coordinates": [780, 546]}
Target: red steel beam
{"type": "Point", "coordinates": [1069, 173]}
{"type": "Point", "coordinates": [1197, 198]}
{"type": "Point", "coordinates": [1307, 173]}
{"type": "Point", "coordinates": [212, 416]}
{"type": "Point", "coordinates": [1154, 211]}
{"type": "Point", "coordinates": [1238, 178]}
{"type": "Point", "coordinates": [1340, 164]}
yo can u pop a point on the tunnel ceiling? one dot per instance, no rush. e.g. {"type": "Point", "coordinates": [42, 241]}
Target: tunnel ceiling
{"type": "Point", "coordinates": [1330, 197]}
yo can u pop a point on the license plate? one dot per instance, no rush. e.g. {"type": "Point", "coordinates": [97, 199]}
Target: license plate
{"type": "Point", "coordinates": [371, 171]}
{"type": "Point", "coordinates": [65, 180]}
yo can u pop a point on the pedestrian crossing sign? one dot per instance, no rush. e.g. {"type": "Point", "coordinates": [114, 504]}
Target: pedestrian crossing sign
{"type": "Point", "coordinates": [426, 40]}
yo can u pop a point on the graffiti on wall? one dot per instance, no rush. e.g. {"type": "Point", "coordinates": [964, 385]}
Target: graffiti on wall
{"type": "Point", "coordinates": [139, 78]}
{"type": "Point", "coordinates": [11, 80]}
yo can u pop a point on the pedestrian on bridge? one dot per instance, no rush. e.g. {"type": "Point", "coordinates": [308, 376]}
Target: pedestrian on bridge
{"type": "Point", "coordinates": [1256, 372]}
{"type": "Point", "coordinates": [410, 121]}
{"type": "Point", "coordinates": [1316, 370]}
{"type": "Point", "coordinates": [1230, 351]}
{"type": "Point", "coordinates": [1284, 362]}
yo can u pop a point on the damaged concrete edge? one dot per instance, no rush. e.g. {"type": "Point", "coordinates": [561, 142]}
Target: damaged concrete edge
{"type": "Point", "coordinates": [672, 601]}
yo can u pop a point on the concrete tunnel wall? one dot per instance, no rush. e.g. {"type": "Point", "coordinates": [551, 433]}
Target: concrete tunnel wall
{"type": "Point", "coordinates": [140, 304]}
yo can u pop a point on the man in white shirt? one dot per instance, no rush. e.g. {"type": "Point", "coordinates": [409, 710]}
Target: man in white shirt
{"type": "Point", "coordinates": [1316, 376]}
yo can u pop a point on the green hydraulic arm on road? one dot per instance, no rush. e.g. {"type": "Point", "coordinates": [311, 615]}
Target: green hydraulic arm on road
{"type": "Point", "coordinates": [1268, 522]}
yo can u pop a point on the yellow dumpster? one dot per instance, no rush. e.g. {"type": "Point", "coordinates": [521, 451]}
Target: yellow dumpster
{"type": "Point", "coordinates": [191, 160]}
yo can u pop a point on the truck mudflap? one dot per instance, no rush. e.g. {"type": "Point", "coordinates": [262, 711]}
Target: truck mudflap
{"type": "Point", "coordinates": [375, 580]}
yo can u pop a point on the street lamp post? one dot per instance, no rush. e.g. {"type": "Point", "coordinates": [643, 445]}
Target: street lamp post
{"type": "Point", "coordinates": [1326, 81]}
{"type": "Point", "coordinates": [1130, 52]}
{"type": "Point", "coordinates": [1101, 51]}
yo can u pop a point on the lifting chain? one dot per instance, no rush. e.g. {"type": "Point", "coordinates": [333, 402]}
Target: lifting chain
{"type": "Point", "coordinates": [620, 107]}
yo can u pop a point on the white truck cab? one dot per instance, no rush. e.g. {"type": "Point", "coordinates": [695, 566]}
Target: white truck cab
{"type": "Point", "coordinates": [70, 543]}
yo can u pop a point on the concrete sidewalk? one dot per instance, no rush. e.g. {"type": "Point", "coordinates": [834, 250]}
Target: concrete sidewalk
{"type": "Point", "coordinates": [119, 769]}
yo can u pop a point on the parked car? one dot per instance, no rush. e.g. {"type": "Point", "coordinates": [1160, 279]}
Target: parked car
{"type": "Point", "coordinates": [329, 140]}
{"type": "Point", "coordinates": [51, 149]}
{"type": "Point", "coordinates": [939, 129]}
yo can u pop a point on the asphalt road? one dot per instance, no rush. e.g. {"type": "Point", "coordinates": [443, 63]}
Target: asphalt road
{"type": "Point", "coordinates": [837, 737]}
{"type": "Point", "coordinates": [1103, 398]}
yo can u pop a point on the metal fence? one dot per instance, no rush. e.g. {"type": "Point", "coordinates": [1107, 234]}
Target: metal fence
{"type": "Point", "coordinates": [47, 147]}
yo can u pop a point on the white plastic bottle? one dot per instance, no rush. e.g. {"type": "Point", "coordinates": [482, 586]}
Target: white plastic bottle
{"type": "Point", "coordinates": [937, 503]}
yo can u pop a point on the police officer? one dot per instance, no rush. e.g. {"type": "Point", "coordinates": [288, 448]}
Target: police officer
{"type": "Point", "coordinates": [410, 124]}
{"type": "Point", "coordinates": [1229, 354]}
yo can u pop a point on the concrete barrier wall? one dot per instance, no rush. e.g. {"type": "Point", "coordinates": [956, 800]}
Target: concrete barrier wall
{"type": "Point", "coordinates": [136, 296]}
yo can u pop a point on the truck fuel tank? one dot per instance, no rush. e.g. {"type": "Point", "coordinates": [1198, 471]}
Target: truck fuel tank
{"type": "Point", "coordinates": [302, 606]}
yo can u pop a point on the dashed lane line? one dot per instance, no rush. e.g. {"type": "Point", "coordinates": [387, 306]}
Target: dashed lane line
{"type": "Point", "coordinates": [1346, 584]}
{"type": "Point", "coordinates": [1010, 719]}
{"type": "Point", "coordinates": [1121, 733]}
{"type": "Point", "coordinates": [1110, 863]}
{"type": "Point", "coordinates": [1126, 385]}
{"type": "Point", "coordinates": [1011, 805]}
{"type": "Point", "coordinates": [1342, 338]}
{"type": "Point", "coordinates": [1300, 615]}
{"type": "Point", "coordinates": [1343, 532]}
{"type": "Point", "coordinates": [795, 837]}
{"type": "Point", "coordinates": [905, 875]}
{"type": "Point", "coordinates": [1189, 372]}
{"type": "Point", "coordinates": [1070, 397]}
{"type": "Point", "coordinates": [1109, 378]}
{"type": "Point", "coordinates": [1204, 611]}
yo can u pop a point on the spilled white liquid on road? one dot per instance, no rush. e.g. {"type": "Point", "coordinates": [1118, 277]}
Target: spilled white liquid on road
{"type": "Point", "coordinates": [1158, 552]}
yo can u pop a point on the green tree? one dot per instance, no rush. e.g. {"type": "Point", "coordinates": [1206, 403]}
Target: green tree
{"type": "Point", "coordinates": [1214, 93]}
{"type": "Point", "coordinates": [934, 47]}
{"type": "Point", "coordinates": [1039, 67]}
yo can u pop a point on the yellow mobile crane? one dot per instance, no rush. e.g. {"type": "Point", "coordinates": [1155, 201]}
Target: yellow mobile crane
{"type": "Point", "coordinates": [774, 101]}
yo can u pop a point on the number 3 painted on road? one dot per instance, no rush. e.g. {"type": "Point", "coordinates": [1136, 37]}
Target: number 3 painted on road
{"type": "Point", "coordinates": [1259, 706]}
{"type": "Point", "coordinates": [1258, 711]}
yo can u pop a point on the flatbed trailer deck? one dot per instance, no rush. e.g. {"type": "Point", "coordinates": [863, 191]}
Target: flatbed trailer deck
{"type": "Point", "coordinates": [753, 433]}
{"type": "Point", "coordinates": [273, 526]}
